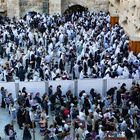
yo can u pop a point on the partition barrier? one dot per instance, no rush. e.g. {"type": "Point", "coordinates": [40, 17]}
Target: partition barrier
{"type": "Point", "coordinates": [33, 87]}
{"type": "Point", "coordinates": [11, 87]}
{"type": "Point", "coordinates": [100, 86]}
{"type": "Point", "coordinates": [118, 83]}
{"type": "Point", "coordinates": [87, 85]}
{"type": "Point", "coordinates": [65, 85]}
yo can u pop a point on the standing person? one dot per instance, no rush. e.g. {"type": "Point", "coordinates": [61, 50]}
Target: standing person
{"type": "Point", "coordinates": [3, 93]}
{"type": "Point", "coordinates": [12, 133]}
{"type": "Point", "coordinates": [12, 110]}
{"type": "Point", "coordinates": [129, 134]}
{"type": "Point", "coordinates": [118, 98]}
{"type": "Point", "coordinates": [20, 117]}
{"type": "Point", "coordinates": [45, 104]}
{"type": "Point", "coordinates": [43, 126]}
{"type": "Point", "coordinates": [27, 118]}
{"type": "Point", "coordinates": [50, 90]}
{"type": "Point", "coordinates": [1, 51]}
{"type": "Point", "coordinates": [80, 131]}
{"type": "Point", "coordinates": [32, 61]}
{"type": "Point", "coordinates": [21, 73]}
{"type": "Point", "coordinates": [26, 133]}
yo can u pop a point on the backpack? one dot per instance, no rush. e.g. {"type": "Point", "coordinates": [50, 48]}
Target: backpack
{"type": "Point", "coordinates": [6, 129]}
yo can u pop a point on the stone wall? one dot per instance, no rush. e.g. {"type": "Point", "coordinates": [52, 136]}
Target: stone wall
{"type": "Point", "coordinates": [19, 8]}
{"type": "Point", "coordinates": [60, 6]}
{"type": "Point", "coordinates": [3, 7]}
{"type": "Point", "coordinates": [13, 8]}
{"type": "Point", "coordinates": [55, 7]}
{"type": "Point", "coordinates": [30, 5]}
{"type": "Point", "coordinates": [129, 15]}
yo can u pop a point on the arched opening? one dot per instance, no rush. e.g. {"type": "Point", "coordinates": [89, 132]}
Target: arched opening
{"type": "Point", "coordinates": [74, 9]}
{"type": "Point", "coordinates": [31, 13]}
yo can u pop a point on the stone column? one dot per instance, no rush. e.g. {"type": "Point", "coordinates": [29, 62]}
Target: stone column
{"type": "Point", "coordinates": [13, 8]}
{"type": "Point", "coordinates": [55, 7]}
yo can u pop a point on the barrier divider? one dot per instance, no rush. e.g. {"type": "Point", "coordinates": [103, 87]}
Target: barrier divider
{"type": "Point", "coordinates": [16, 89]}
{"type": "Point", "coordinates": [47, 87]}
{"type": "Point", "coordinates": [104, 88]}
{"type": "Point", "coordinates": [76, 88]}
{"type": "Point", "coordinates": [100, 85]}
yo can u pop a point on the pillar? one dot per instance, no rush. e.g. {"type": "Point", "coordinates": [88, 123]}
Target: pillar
{"type": "Point", "coordinates": [55, 7]}
{"type": "Point", "coordinates": [13, 8]}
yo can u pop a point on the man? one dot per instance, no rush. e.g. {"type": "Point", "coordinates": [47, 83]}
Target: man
{"type": "Point", "coordinates": [128, 134]}
{"type": "Point", "coordinates": [80, 132]}
{"type": "Point", "coordinates": [20, 117]}
{"type": "Point", "coordinates": [3, 95]}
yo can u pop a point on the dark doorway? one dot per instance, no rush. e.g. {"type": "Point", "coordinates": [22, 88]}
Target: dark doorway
{"type": "Point", "coordinates": [74, 9]}
{"type": "Point", "coordinates": [31, 13]}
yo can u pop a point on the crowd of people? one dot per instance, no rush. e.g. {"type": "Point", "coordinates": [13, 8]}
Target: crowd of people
{"type": "Point", "coordinates": [86, 117]}
{"type": "Point", "coordinates": [77, 46]}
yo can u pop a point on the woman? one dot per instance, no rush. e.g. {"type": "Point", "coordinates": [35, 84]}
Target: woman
{"type": "Point", "coordinates": [43, 126]}
{"type": "Point", "coordinates": [3, 94]}
{"type": "Point", "coordinates": [13, 115]}
{"type": "Point", "coordinates": [12, 133]}
{"type": "Point", "coordinates": [26, 133]}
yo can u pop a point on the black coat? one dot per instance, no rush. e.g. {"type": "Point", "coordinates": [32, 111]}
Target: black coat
{"type": "Point", "coordinates": [26, 134]}
{"type": "Point", "coordinates": [118, 98]}
{"type": "Point", "coordinates": [128, 134]}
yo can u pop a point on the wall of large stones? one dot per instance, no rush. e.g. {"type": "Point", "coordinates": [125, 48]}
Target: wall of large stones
{"type": "Point", "coordinates": [19, 8]}
{"type": "Point", "coordinates": [129, 15]}
{"type": "Point", "coordinates": [13, 8]}
{"type": "Point", "coordinates": [3, 6]}
{"type": "Point", "coordinates": [55, 7]}
{"type": "Point", "coordinates": [30, 5]}
{"type": "Point", "coordinates": [60, 6]}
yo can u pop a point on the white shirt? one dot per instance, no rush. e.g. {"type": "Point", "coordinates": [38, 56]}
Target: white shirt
{"type": "Point", "coordinates": [101, 134]}
{"type": "Point", "coordinates": [82, 116]}
{"type": "Point", "coordinates": [81, 75]}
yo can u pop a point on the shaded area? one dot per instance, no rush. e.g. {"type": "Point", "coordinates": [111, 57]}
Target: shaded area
{"type": "Point", "coordinates": [31, 13]}
{"type": "Point", "coordinates": [74, 9]}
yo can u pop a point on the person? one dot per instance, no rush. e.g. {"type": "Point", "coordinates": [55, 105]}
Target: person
{"type": "Point", "coordinates": [77, 137]}
{"type": "Point", "coordinates": [12, 133]}
{"type": "Point", "coordinates": [13, 115]}
{"type": "Point", "coordinates": [43, 126]}
{"type": "Point", "coordinates": [3, 93]}
{"type": "Point", "coordinates": [128, 133]}
{"type": "Point", "coordinates": [101, 133]}
{"type": "Point", "coordinates": [20, 117]}
{"type": "Point", "coordinates": [80, 131]}
{"type": "Point", "coordinates": [26, 133]}
{"type": "Point", "coordinates": [138, 132]}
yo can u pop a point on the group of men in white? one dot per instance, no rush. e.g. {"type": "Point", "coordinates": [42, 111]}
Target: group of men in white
{"type": "Point", "coordinates": [85, 46]}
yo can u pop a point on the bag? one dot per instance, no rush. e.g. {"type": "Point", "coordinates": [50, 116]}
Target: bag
{"type": "Point", "coordinates": [6, 129]}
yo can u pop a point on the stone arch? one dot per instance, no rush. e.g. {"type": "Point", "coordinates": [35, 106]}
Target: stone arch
{"type": "Point", "coordinates": [31, 13]}
{"type": "Point", "coordinates": [75, 8]}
